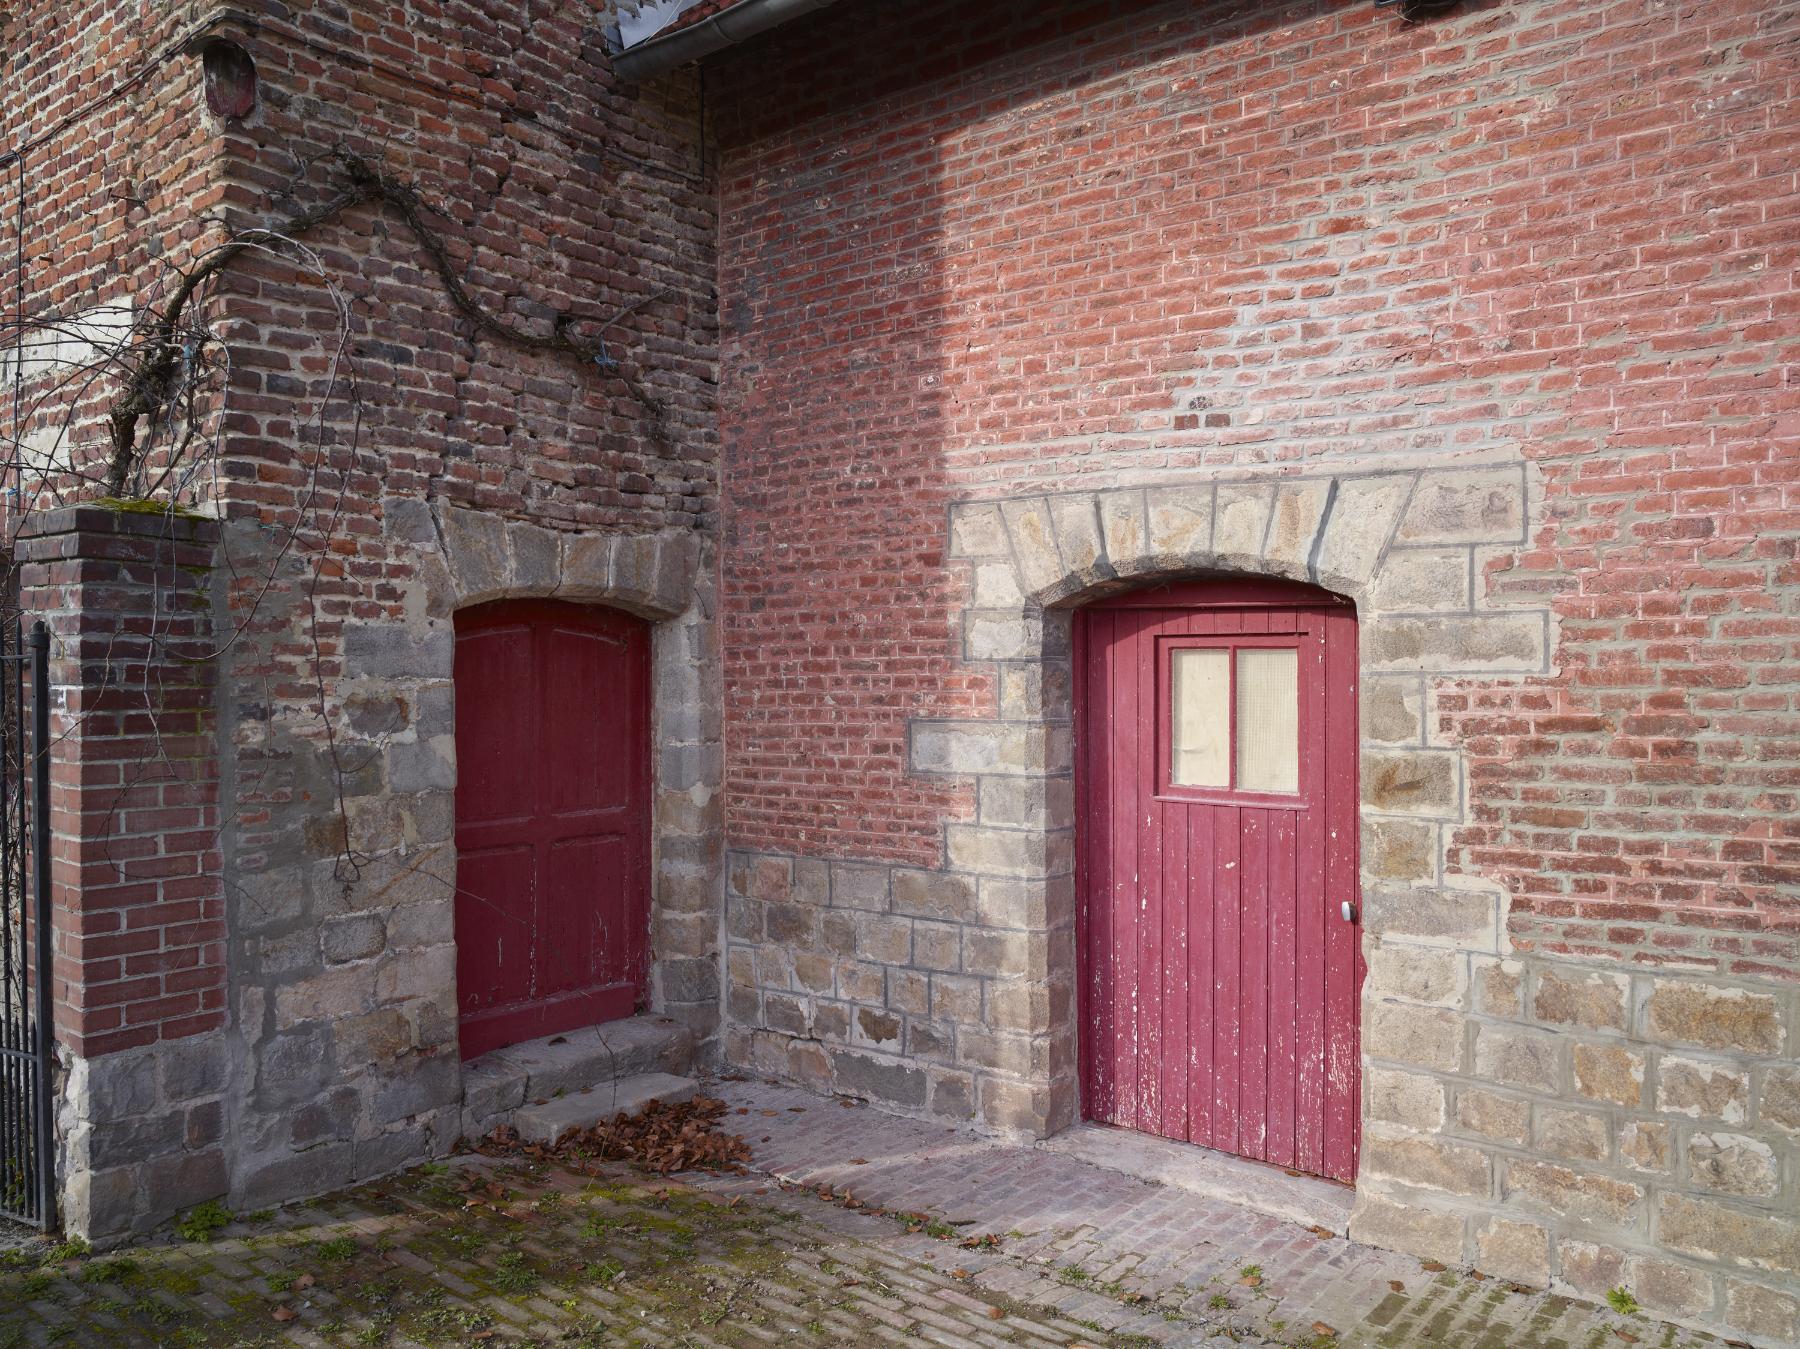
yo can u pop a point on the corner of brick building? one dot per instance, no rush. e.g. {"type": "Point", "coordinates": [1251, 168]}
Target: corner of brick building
{"type": "Point", "coordinates": [380, 463]}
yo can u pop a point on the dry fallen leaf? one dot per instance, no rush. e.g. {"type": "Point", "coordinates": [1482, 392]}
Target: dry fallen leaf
{"type": "Point", "coordinates": [1396, 1285]}
{"type": "Point", "coordinates": [1251, 1281]}
{"type": "Point", "coordinates": [283, 1314]}
{"type": "Point", "coordinates": [304, 1282]}
{"type": "Point", "coordinates": [1432, 1266]}
{"type": "Point", "coordinates": [859, 1161]}
{"type": "Point", "coordinates": [996, 1313]}
{"type": "Point", "coordinates": [1320, 1328]}
{"type": "Point", "coordinates": [1324, 1232]}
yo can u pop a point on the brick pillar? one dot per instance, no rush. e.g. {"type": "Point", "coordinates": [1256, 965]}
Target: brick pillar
{"type": "Point", "coordinates": [136, 890]}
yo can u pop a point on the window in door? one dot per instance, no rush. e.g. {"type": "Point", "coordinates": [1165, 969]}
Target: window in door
{"type": "Point", "coordinates": [1230, 716]}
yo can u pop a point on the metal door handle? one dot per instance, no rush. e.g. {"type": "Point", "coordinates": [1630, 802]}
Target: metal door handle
{"type": "Point", "coordinates": [1348, 910]}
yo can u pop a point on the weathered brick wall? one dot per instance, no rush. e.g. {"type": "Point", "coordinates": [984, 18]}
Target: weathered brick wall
{"type": "Point", "coordinates": [467, 468]}
{"type": "Point", "coordinates": [1090, 263]}
{"type": "Point", "coordinates": [385, 457]}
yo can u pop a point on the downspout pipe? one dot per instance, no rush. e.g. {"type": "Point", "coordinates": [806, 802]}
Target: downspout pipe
{"type": "Point", "coordinates": [727, 28]}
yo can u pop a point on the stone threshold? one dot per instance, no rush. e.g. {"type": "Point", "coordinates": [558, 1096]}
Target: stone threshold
{"type": "Point", "coordinates": [1256, 1186]}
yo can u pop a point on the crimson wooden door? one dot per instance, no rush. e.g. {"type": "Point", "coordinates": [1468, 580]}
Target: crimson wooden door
{"type": "Point", "coordinates": [552, 818]}
{"type": "Point", "coordinates": [1216, 774]}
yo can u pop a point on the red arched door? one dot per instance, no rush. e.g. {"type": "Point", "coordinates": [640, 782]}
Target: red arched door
{"type": "Point", "coordinates": [1216, 768]}
{"type": "Point", "coordinates": [552, 818]}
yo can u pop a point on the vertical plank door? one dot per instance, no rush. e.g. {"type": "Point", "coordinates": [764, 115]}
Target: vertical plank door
{"type": "Point", "coordinates": [1216, 776]}
{"type": "Point", "coordinates": [552, 819]}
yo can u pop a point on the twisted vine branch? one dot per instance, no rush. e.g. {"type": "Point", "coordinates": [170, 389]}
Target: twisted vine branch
{"type": "Point", "coordinates": [156, 377]}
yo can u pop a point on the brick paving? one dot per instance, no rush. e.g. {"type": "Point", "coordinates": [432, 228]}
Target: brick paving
{"type": "Point", "coordinates": [1015, 1246]}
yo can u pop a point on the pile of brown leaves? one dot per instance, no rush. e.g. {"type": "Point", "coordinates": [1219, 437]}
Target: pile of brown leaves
{"type": "Point", "coordinates": [661, 1137]}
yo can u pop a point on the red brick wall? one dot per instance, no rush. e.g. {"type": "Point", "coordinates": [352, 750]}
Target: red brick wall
{"type": "Point", "coordinates": [966, 253]}
{"type": "Point", "coordinates": [138, 900]}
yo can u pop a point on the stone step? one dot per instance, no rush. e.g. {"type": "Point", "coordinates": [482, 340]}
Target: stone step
{"type": "Point", "coordinates": [499, 1083]}
{"type": "Point", "coordinates": [548, 1121]}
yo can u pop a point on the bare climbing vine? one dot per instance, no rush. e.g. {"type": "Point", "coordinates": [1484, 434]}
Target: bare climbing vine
{"type": "Point", "coordinates": [167, 359]}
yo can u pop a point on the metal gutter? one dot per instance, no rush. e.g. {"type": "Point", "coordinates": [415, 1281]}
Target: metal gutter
{"type": "Point", "coordinates": [727, 28]}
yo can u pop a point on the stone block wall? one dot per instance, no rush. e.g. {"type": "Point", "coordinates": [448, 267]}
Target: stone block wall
{"type": "Point", "coordinates": [1042, 301]}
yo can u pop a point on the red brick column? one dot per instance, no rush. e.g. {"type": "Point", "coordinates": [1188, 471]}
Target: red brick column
{"type": "Point", "coordinates": [138, 899]}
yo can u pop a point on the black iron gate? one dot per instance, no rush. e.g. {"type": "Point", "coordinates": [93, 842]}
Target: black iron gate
{"type": "Point", "coordinates": [27, 1123]}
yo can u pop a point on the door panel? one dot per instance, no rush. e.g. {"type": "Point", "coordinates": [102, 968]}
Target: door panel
{"type": "Point", "coordinates": [1219, 981]}
{"type": "Point", "coordinates": [552, 819]}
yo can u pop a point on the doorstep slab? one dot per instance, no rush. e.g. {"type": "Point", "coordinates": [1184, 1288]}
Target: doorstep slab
{"type": "Point", "coordinates": [548, 1121]}
{"type": "Point", "coordinates": [1257, 1186]}
{"type": "Point", "coordinates": [498, 1083]}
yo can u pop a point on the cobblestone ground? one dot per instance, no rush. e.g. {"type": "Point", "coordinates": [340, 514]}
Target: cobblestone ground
{"type": "Point", "coordinates": [1006, 1246]}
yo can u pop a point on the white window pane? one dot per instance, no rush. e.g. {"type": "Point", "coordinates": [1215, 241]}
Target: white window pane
{"type": "Point", "coordinates": [1199, 717]}
{"type": "Point", "coordinates": [1268, 714]}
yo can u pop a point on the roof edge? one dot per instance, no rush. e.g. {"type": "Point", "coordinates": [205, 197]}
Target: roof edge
{"type": "Point", "coordinates": [727, 28]}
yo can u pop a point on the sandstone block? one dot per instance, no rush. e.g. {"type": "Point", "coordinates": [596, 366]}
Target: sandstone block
{"type": "Point", "coordinates": [933, 894]}
{"type": "Point", "coordinates": [1499, 986]}
{"type": "Point", "coordinates": [1412, 1228]}
{"type": "Point", "coordinates": [1076, 518]}
{"type": "Point", "coordinates": [859, 887]}
{"type": "Point", "coordinates": [1428, 1163]}
{"type": "Point", "coordinates": [1181, 520]}
{"type": "Point", "coordinates": [1518, 1059]}
{"type": "Point", "coordinates": [1411, 1099]}
{"type": "Point", "coordinates": [976, 530]}
{"type": "Point", "coordinates": [997, 586]}
{"type": "Point", "coordinates": [1123, 530]}
{"type": "Point", "coordinates": [586, 567]}
{"type": "Point", "coordinates": [1778, 1098]}
{"type": "Point", "coordinates": [1719, 1017]}
{"type": "Point", "coordinates": [1412, 580]}
{"type": "Point", "coordinates": [1417, 973]}
{"type": "Point", "coordinates": [1672, 1289]}
{"type": "Point", "coordinates": [1241, 520]}
{"type": "Point", "coordinates": [1733, 1164]}
{"type": "Point", "coordinates": [1412, 782]}
{"type": "Point", "coordinates": [1573, 1194]}
{"type": "Point", "coordinates": [1299, 507]}
{"type": "Point", "coordinates": [1359, 525]}
{"type": "Point", "coordinates": [1589, 1268]}
{"type": "Point", "coordinates": [1762, 1311]}
{"type": "Point", "coordinates": [1016, 1107]}
{"type": "Point", "coordinates": [1487, 643]}
{"type": "Point", "coordinates": [1033, 537]}
{"type": "Point", "coordinates": [1573, 1135]}
{"type": "Point", "coordinates": [1444, 917]}
{"type": "Point", "coordinates": [1026, 854]}
{"type": "Point", "coordinates": [1591, 1001]}
{"type": "Point", "coordinates": [1001, 634]}
{"type": "Point", "coordinates": [859, 1074]}
{"type": "Point", "coordinates": [1398, 850]}
{"type": "Point", "coordinates": [989, 747]}
{"type": "Point", "coordinates": [1645, 1146]}
{"type": "Point", "coordinates": [1393, 711]}
{"type": "Point", "coordinates": [1466, 506]}
{"type": "Point", "coordinates": [1425, 1037]}
{"type": "Point", "coordinates": [1502, 1118]}
{"type": "Point", "coordinates": [1605, 1072]}
{"type": "Point", "coordinates": [1708, 1228]}
{"type": "Point", "coordinates": [1519, 1252]}
{"type": "Point", "coordinates": [1702, 1090]}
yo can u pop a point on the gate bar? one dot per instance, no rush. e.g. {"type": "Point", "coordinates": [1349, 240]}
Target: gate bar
{"type": "Point", "coordinates": [40, 865]}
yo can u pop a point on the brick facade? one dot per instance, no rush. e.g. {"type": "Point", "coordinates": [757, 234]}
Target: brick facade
{"type": "Point", "coordinates": [1478, 322]}
{"type": "Point", "coordinates": [1482, 323]}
